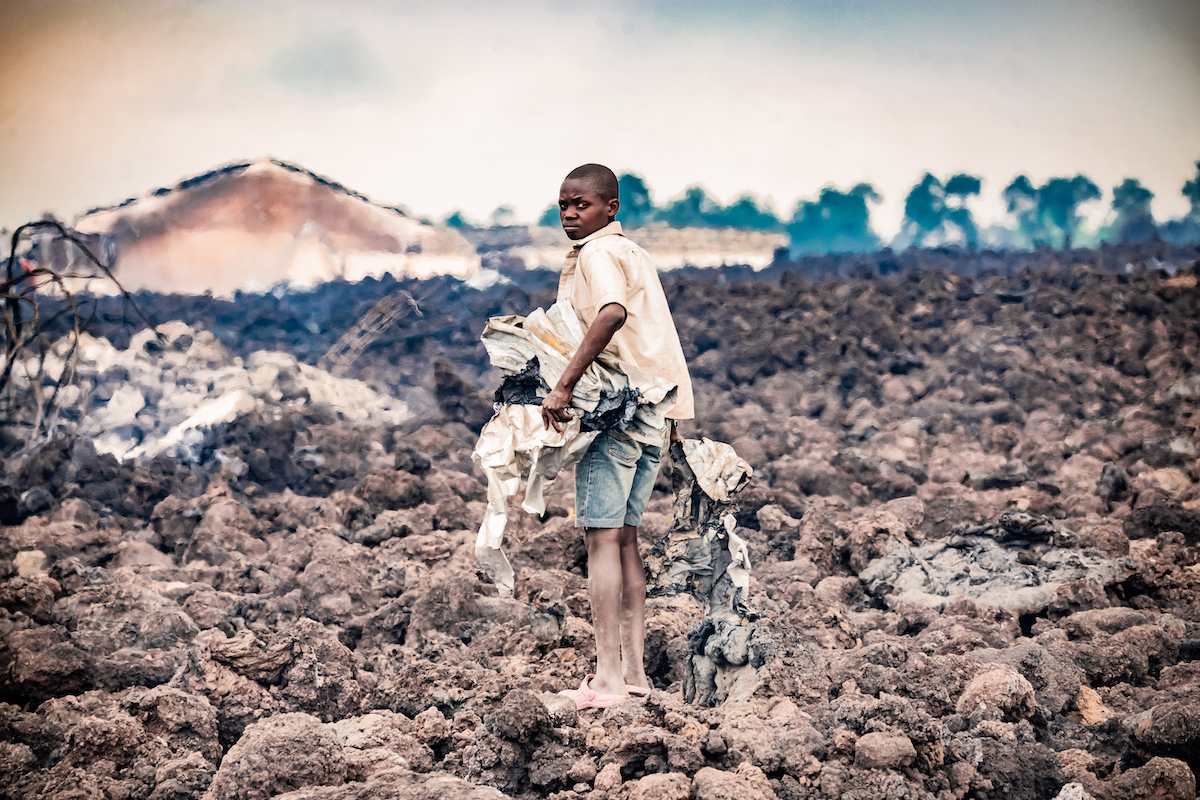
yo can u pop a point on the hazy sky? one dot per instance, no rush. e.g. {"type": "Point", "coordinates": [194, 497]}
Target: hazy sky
{"type": "Point", "coordinates": [443, 105]}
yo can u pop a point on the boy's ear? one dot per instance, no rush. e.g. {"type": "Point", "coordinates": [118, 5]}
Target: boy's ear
{"type": "Point", "coordinates": [614, 205]}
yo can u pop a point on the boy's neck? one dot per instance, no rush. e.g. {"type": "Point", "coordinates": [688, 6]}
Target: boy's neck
{"type": "Point", "coordinates": [607, 230]}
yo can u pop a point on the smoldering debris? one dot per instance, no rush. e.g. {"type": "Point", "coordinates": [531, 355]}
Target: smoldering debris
{"type": "Point", "coordinates": [293, 607]}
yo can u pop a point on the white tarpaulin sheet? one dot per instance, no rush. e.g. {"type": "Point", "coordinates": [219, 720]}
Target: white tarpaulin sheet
{"type": "Point", "coordinates": [515, 450]}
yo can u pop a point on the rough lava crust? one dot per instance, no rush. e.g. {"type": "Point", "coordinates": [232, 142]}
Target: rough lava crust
{"type": "Point", "coordinates": [974, 528]}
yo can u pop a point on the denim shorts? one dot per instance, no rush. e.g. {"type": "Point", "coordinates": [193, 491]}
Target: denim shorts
{"type": "Point", "coordinates": [613, 481]}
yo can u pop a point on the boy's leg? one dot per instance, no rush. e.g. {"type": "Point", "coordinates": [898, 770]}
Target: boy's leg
{"type": "Point", "coordinates": [633, 610]}
{"type": "Point", "coordinates": [614, 479]}
{"type": "Point", "coordinates": [605, 585]}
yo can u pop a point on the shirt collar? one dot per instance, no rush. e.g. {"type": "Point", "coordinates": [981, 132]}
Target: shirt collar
{"type": "Point", "coordinates": [611, 229]}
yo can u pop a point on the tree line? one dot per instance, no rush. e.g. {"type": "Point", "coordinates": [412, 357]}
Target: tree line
{"type": "Point", "coordinates": [936, 212]}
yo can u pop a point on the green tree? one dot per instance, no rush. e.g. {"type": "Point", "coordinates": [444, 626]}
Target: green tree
{"type": "Point", "coordinates": [637, 206]}
{"type": "Point", "coordinates": [1051, 208]}
{"type": "Point", "coordinates": [1131, 202]}
{"type": "Point", "coordinates": [931, 206]}
{"type": "Point", "coordinates": [1186, 229]}
{"type": "Point", "coordinates": [694, 209]}
{"type": "Point", "coordinates": [958, 189]}
{"type": "Point", "coordinates": [1020, 198]}
{"type": "Point", "coordinates": [1058, 201]}
{"type": "Point", "coordinates": [924, 209]}
{"type": "Point", "coordinates": [747, 212]}
{"type": "Point", "coordinates": [1191, 190]}
{"type": "Point", "coordinates": [549, 217]}
{"type": "Point", "coordinates": [503, 216]}
{"type": "Point", "coordinates": [836, 222]}
{"type": "Point", "coordinates": [457, 219]}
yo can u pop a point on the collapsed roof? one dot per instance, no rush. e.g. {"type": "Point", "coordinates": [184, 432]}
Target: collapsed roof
{"type": "Point", "coordinates": [254, 224]}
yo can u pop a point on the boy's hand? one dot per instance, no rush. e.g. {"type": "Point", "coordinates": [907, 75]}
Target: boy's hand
{"type": "Point", "coordinates": [675, 437]}
{"type": "Point", "coordinates": [607, 322]}
{"type": "Point", "coordinates": [554, 408]}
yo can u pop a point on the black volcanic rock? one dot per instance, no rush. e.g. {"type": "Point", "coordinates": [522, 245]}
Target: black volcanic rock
{"type": "Point", "coordinates": [291, 603]}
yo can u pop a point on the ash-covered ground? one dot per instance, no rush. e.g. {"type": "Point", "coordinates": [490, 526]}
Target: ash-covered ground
{"type": "Point", "coordinates": [974, 527]}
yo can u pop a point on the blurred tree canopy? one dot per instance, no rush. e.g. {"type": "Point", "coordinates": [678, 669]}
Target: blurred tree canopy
{"type": "Point", "coordinates": [549, 217]}
{"type": "Point", "coordinates": [1187, 228]}
{"type": "Point", "coordinates": [747, 211]}
{"type": "Point", "coordinates": [1059, 200]}
{"type": "Point", "coordinates": [637, 206]}
{"type": "Point", "coordinates": [935, 212]}
{"type": "Point", "coordinates": [457, 219]}
{"type": "Point", "coordinates": [1131, 202]}
{"type": "Point", "coordinates": [1020, 198]}
{"type": "Point", "coordinates": [503, 216]}
{"type": "Point", "coordinates": [923, 209]}
{"type": "Point", "coordinates": [694, 209]}
{"type": "Point", "coordinates": [958, 189]}
{"type": "Point", "coordinates": [1191, 190]}
{"type": "Point", "coordinates": [931, 208]}
{"type": "Point", "coordinates": [836, 222]}
{"type": "Point", "coordinates": [1052, 208]}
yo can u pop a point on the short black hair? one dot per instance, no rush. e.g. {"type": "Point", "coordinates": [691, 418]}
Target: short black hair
{"type": "Point", "coordinates": [599, 177]}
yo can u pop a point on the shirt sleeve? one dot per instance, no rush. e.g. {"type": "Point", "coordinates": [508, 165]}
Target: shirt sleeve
{"type": "Point", "coordinates": [601, 270]}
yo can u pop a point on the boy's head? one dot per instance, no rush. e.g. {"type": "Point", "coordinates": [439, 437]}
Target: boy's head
{"type": "Point", "coordinates": [588, 200]}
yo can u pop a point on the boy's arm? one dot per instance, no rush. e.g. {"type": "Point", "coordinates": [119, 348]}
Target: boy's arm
{"type": "Point", "coordinates": [599, 334]}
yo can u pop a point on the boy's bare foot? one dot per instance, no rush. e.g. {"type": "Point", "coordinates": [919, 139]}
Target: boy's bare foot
{"type": "Point", "coordinates": [599, 684]}
{"type": "Point", "coordinates": [637, 683]}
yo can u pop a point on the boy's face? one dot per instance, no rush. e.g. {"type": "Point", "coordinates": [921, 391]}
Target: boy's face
{"type": "Point", "coordinates": [582, 210]}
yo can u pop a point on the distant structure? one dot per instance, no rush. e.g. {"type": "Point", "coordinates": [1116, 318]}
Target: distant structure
{"type": "Point", "coordinates": [252, 225]}
{"type": "Point", "coordinates": [339, 358]}
{"type": "Point", "coordinates": [256, 224]}
{"type": "Point", "coordinates": [672, 248]}
{"type": "Point", "coordinates": [669, 248]}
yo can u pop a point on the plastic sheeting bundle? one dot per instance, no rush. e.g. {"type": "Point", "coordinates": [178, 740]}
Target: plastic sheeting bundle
{"type": "Point", "coordinates": [516, 451]}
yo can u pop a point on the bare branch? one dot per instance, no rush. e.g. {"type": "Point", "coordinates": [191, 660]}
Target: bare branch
{"type": "Point", "coordinates": [25, 331]}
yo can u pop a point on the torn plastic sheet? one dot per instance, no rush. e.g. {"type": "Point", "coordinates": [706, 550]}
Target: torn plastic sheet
{"type": "Point", "coordinates": [515, 450]}
{"type": "Point", "coordinates": [702, 555]}
{"type": "Point", "coordinates": [718, 470]}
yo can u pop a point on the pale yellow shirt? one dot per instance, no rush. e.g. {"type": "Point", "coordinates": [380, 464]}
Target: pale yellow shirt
{"type": "Point", "coordinates": [604, 268]}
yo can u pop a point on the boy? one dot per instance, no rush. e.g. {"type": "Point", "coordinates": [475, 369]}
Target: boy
{"type": "Point", "coordinates": [614, 288]}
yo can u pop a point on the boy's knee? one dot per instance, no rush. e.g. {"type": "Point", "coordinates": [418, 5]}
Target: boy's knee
{"type": "Point", "coordinates": [628, 535]}
{"type": "Point", "coordinates": [604, 535]}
